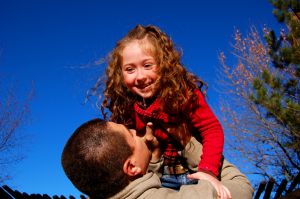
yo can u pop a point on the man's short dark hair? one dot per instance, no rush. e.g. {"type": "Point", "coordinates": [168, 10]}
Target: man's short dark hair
{"type": "Point", "coordinates": [93, 159]}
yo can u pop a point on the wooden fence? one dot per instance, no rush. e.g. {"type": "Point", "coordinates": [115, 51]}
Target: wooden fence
{"type": "Point", "coordinates": [8, 193]}
{"type": "Point", "coordinates": [265, 191]}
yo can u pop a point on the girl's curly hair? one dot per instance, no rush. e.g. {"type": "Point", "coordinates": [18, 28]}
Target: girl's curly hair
{"type": "Point", "coordinates": [175, 83]}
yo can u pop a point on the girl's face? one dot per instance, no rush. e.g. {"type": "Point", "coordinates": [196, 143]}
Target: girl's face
{"type": "Point", "coordinates": [139, 68]}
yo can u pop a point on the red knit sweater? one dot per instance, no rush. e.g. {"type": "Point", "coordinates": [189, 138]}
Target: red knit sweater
{"type": "Point", "coordinates": [206, 126]}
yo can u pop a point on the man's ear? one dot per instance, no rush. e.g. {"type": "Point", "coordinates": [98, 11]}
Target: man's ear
{"type": "Point", "coordinates": [130, 168]}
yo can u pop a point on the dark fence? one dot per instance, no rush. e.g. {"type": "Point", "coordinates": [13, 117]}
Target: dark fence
{"type": "Point", "coordinates": [8, 193]}
{"type": "Point", "coordinates": [265, 189]}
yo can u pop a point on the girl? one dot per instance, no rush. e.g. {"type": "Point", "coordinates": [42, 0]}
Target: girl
{"type": "Point", "coordinates": [145, 82]}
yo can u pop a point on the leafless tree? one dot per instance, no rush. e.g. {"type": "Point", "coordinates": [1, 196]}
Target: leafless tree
{"type": "Point", "coordinates": [14, 111]}
{"type": "Point", "coordinates": [252, 135]}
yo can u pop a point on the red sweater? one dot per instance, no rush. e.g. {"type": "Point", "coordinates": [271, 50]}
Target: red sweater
{"type": "Point", "coordinates": [206, 126]}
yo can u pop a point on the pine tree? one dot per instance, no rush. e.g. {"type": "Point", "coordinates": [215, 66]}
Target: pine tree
{"type": "Point", "coordinates": [277, 89]}
{"type": "Point", "coordinates": [261, 110]}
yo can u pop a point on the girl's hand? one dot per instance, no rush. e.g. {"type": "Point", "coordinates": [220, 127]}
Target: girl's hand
{"type": "Point", "coordinates": [152, 143]}
{"type": "Point", "coordinates": [222, 191]}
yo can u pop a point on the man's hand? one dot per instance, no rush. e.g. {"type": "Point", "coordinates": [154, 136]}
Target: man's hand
{"type": "Point", "coordinates": [152, 143]}
{"type": "Point", "coordinates": [222, 191]}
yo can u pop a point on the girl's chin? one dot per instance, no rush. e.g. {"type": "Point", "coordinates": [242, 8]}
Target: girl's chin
{"type": "Point", "coordinates": [146, 96]}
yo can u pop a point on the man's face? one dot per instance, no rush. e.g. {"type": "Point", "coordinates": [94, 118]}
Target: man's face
{"type": "Point", "coordinates": [141, 152]}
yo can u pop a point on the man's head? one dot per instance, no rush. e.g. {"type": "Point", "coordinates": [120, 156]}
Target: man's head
{"type": "Point", "coordinates": [101, 158]}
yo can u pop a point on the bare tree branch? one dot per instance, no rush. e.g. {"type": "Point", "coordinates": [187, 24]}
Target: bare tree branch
{"type": "Point", "coordinates": [260, 140]}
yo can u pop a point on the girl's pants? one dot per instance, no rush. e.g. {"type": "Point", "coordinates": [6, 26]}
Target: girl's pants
{"type": "Point", "coordinates": [174, 181]}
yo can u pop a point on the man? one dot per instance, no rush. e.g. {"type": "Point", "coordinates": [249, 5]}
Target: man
{"type": "Point", "coordinates": [107, 160]}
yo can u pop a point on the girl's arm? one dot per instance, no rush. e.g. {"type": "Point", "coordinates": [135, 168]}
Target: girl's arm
{"type": "Point", "coordinates": [210, 132]}
{"type": "Point", "coordinates": [236, 182]}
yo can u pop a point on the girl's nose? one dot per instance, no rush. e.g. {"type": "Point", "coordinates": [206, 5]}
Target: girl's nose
{"type": "Point", "coordinates": [140, 75]}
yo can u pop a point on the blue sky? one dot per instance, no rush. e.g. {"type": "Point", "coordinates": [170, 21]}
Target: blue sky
{"type": "Point", "coordinates": [55, 43]}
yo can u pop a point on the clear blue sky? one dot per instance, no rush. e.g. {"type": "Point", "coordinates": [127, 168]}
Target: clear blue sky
{"type": "Point", "coordinates": [51, 43]}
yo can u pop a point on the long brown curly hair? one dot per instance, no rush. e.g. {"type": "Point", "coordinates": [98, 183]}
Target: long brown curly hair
{"type": "Point", "coordinates": [175, 83]}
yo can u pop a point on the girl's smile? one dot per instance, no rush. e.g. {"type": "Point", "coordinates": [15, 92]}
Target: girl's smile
{"type": "Point", "coordinates": [139, 69]}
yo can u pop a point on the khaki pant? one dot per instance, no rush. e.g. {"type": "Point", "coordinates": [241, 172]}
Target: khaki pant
{"type": "Point", "coordinates": [237, 183]}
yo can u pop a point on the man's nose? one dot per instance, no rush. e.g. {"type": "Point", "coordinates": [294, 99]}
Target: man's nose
{"type": "Point", "coordinates": [133, 131]}
{"type": "Point", "coordinates": [141, 133]}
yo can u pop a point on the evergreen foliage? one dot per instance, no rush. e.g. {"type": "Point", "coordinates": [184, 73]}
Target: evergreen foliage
{"type": "Point", "coordinates": [261, 110]}
{"type": "Point", "coordinates": [277, 89]}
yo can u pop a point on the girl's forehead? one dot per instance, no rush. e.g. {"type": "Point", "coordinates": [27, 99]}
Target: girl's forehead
{"type": "Point", "coordinates": [146, 45]}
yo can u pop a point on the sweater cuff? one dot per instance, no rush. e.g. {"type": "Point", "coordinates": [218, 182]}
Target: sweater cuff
{"type": "Point", "coordinates": [209, 171]}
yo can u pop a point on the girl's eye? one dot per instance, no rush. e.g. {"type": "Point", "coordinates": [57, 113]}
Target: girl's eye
{"type": "Point", "coordinates": [148, 65]}
{"type": "Point", "coordinates": [129, 69]}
